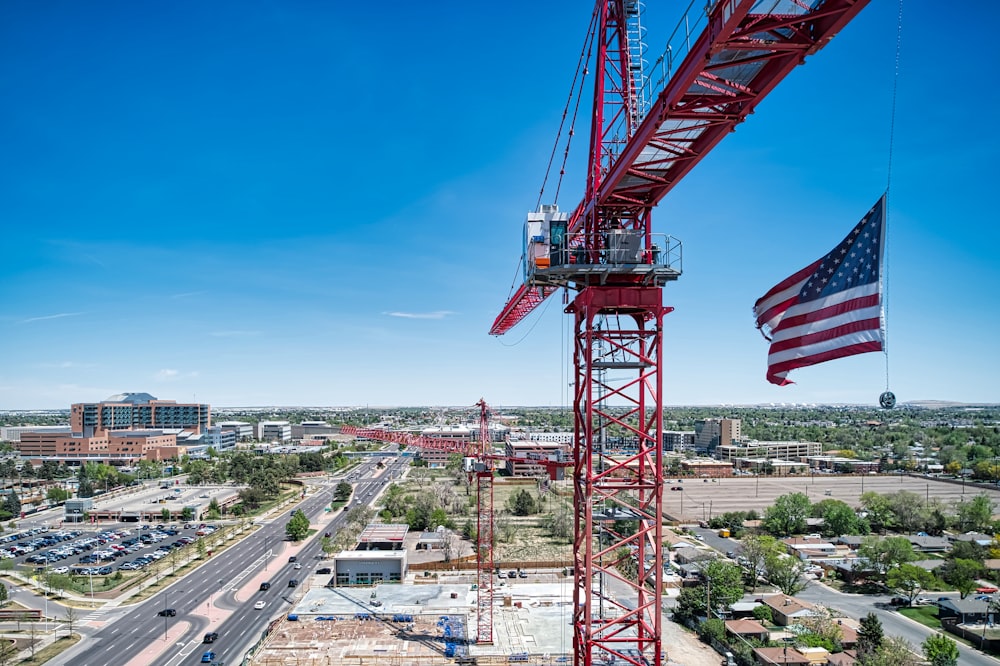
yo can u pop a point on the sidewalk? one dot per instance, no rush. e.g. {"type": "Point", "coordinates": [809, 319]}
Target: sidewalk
{"type": "Point", "coordinates": [86, 605]}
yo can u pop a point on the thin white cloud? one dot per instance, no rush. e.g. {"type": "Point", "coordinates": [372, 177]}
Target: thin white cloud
{"type": "Point", "coordinates": [233, 334]}
{"type": "Point", "coordinates": [47, 317]}
{"type": "Point", "coordinates": [66, 364]}
{"type": "Point", "coordinates": [171, 375]}
{"type": "Point", "coordinates": [186, 294]}
{"type": "Point", "coordinates": [440, 314]}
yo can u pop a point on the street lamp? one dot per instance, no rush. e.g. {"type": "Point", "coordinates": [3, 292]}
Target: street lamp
{"type": "Point", "coordinates": [166, 593]}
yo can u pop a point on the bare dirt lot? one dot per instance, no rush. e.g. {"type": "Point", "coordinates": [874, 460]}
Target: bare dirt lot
{"type": "Point", "coordinates": [701, 498]}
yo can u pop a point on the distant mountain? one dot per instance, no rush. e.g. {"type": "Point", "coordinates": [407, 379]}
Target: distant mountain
{"type": "Point", "coordinates": [945, 404]}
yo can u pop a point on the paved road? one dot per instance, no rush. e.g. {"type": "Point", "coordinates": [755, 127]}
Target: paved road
{"type": "Point", "coordinates": [204, 598]}
{"type": "Point", "coordinates": [858, 605]}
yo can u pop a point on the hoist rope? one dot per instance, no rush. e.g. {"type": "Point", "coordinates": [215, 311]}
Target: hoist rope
{"type": "Point", "coordinates": [578, 77]}
{"type": "Point", "coordinates": [888, 185]}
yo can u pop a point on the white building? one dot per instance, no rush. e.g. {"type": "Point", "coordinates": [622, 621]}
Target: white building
{"type": "Point", "coordinates": [274, 431]}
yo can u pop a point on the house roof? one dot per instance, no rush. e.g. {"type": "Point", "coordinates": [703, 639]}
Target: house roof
{"type": "Point", "coordinates": [845, 658]}
{"type": "Point", "coordinates": [929, 542]}
{"type": "Point", "coordinates": [787, 605]}
{"type": "Point", "coordinates": [963, 606]}
{"type": "Point", "coordinates": [780, 655]}
{"type": "Point", "coordinates": [981, 539]}
{"type": "Point", "coordinates": [745, 627]}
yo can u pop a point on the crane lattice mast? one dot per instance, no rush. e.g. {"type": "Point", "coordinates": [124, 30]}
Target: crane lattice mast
{"type": "Point", "coordinates": [605, 250]}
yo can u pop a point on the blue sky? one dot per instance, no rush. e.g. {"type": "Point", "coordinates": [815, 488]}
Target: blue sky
{"type": "Point", "coordinates": [307, 203]}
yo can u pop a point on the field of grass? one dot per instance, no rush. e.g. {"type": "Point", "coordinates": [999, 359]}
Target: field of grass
{"type": "Point", "coordinates": [925, 615]}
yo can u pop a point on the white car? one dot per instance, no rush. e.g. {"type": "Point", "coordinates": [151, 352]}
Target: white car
{"type": "Point", "coordinates": [60, 570]}
{"type": "Point", "coordinates": [297, 566]}
{"type": "Point", "coordinates": [259, 605]}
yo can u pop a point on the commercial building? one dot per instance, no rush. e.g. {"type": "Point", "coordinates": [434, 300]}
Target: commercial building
{"type": "Point", "coordinates": [121, 430]}
{"type": "Point", "coordinates": [678, 440]}
{"type": "Point", "coordinates": [120, 447]}
{"type": "Point", "coordinates": [529, 458]}
{"type": "Point", "coordinates": [378, 557]}
{"type": "Point", "coordinates": [12, 434]}
{"type": "Point", "coordinates": [243, 431]}
{"type": "Point", "coordinates": [137, 411]}
{"type": "Point", "coordinates": [712, 433]}
{"type": "Point", "coordinates": [707, 467]}
{"type": "Point", "coordinates": [274, 431]}
{"type": "Point", "coordinates": [798, 451]}
{"type": "Point", "coordinates": [453, 438]}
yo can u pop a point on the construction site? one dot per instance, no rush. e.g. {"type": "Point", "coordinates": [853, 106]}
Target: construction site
{"type": "Point", "coordinates": [424, 623]}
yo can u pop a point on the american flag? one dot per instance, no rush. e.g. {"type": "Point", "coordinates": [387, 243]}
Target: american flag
{"type": "Point", "coordinates": [831, 308]}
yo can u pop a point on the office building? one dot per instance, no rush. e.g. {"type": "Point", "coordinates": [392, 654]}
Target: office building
{"type": "Point", "coordinates": [137, 411]}
{"type": "Point", "coordinates": [274, 431]}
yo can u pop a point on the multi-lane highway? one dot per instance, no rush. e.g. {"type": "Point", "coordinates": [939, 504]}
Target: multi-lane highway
{"type": "Point", "coordinates": [205, 600]}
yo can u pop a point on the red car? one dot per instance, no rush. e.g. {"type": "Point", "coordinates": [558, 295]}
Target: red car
{"type": "Point", "coordinates": [986, 590]}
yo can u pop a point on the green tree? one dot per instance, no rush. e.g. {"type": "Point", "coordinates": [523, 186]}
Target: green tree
{"type": "Point", "coordinates": [56, 495]}
{"type": "Point", "coordinates": [879, 555]}
{"type": "Point", "coordinates": [870, 637]}
{"type": "Point", "coordinates": [940, 650]}
{"type": "Point", "coordinates": [839, 518]}
{"type": "Point", "coordinates": [754, 553]}
{"type": "Point", "coordinates": [12, 503]}
{"type": "Point", "coordinates": [785, 573]}
{"type": "Point", "coordinates": [521, 503]}
{"type": "Point", "coordinates": [297, 527]}
{"type": "Point", "coordinates": [975, 514]}
{"type": "Point", "coordinates": [961, 574]}
{"type": "Point", "coordinates": [4, 594]}
{"type": "Point", "coordinates": [787, 515]}
{"type": "Point", "coordinates": [343, 491]}
{"type": "Point", "coordinates": [721, 586]}
{"type": "Point", "coordinates": [165, 514]}
{"type": "Point", "coordinates": [878, 511]}
{"type": "Point", "coordinates": [894, 651]}
{"type": "Point", "coordinates": [909, 580]}
{"type": "Point", "coordinates": [763, 613]}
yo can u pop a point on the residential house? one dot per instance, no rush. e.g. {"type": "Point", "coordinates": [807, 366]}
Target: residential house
{"type": "Point", "coordinates": [748, 629]}
{"type": "Point", "coordinates": [929, 544]}
{"type": "Point", "coordinates": [982, 539]}
{"type": "Point", "coordinates": [845, 658]}
{"type": "Point", "coordinates": [786, 610]}
{"type": "Point", "coordinates": [780, 655]}
{"type": "Point", "coordinates": [964, 611]}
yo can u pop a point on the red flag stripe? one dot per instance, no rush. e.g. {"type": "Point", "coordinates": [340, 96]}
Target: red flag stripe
{"type": "Point", "coordinates": [873, 324]}
{"type": "Point", "coordinates": [776, 373]}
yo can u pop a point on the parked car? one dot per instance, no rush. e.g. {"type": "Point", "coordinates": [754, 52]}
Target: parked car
{"type": "Point", "coordinates": [324, 570]}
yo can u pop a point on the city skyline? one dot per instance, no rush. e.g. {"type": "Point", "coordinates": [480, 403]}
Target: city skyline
{"type": "Point", "coordinates": [275, 207]}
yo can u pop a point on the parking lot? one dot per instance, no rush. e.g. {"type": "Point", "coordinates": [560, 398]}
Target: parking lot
{"type": "Point", "coordinates": [700, 499]}
{"type": "Point", "coordinates": [98, 552]}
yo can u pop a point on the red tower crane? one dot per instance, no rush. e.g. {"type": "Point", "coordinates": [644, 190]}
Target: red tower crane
{"type": "Point", "coordinates": [478, 461]}
{"type": "Point", "coordinates": [645, 137]}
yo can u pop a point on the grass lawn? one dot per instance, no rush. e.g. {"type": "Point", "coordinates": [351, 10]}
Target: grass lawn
{"type": "Point", "coordinates": [925, 615]}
